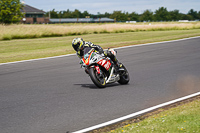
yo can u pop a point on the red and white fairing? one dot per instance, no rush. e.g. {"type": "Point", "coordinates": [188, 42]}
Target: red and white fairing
{"type": "Point", "coordinates": [105, 63]}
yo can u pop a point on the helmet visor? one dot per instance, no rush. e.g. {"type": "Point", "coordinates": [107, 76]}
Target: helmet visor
{"type": "Point", "coordinates": [76, 46]}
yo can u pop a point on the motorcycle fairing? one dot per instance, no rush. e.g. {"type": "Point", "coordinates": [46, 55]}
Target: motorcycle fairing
{"type": "Point", "coordinates": [105, 63]}
{"type": "Point", "coordinates": [86, 58]}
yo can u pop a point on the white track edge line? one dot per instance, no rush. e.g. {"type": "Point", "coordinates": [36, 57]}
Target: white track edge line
{"type": "Point", "coordinates": [136, 114]}
{"type": "Point", "coordinates": [138, 45]}
{"type": "Point", "coordinates": [113, 48]}
{"type": "Point", "coordinates": [36, 59]}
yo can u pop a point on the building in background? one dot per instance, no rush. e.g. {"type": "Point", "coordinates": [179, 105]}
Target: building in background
{"type": "Point", "coordinates": [33, 15]}
{"type": "Point", "coordinates": [81, 20]}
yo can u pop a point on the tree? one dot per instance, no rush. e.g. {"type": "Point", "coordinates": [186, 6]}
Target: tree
{"type": "Point", "coordinates": [76, 14]}
{"type": "Point", "coordinates": [186, 17]}
{"type": "Point", "coordinates": [54, 14]}
{"type": "Point", "coordinates": [147, 16]}
{"type": "Point", "coordinates": [162, 14]}
{"type": "Point", "coordinates": [119, 16]}
{"type": "Point", "coordinates": [193, 13]}
{"type": "Point", "coordinates": [85, 13]}
{"type": "Point", "coordinates": [174, 15]}
{"type": "Point", "coordinates": [67, 14]}
{"type": "Point", "coordinates": [198, 15]}
{"type": "Point", "coordinates": [107, 14]}
{"type": "Point", "coordinates": [10, 11]}
{"type": "Point", "coordinates": [133, 16]}
{"type": "Point", "coordinates": [60, 14]}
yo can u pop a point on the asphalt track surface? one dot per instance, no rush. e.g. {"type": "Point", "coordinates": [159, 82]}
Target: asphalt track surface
{"type": "Point", "coordinates": [56, 95]}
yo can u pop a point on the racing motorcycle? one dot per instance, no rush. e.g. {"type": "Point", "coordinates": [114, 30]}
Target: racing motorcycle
{"type": "Point", "coordinates": [102, 69]}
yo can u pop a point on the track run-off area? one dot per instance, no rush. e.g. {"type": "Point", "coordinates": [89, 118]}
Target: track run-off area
{"type": "Point", "coordinates": [54, 95]}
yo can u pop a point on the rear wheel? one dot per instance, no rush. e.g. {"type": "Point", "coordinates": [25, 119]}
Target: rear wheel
{"type": "Point", "coordinates": [124, 76]}
{"type": "Point", "coordinates": [98, 79]}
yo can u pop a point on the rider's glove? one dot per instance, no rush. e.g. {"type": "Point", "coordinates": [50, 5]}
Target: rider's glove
{"type": "Point", "coordinates": [81, 62]}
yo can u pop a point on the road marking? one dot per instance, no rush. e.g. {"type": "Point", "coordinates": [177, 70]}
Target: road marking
{"type": "Point", "coordinates": [135, 114]}
{"type": "Point", "coordinates": [37, 59]}
{"type": "Point", "coordinates": [139, 45]}
{"type": "Point", "coordinates": [157, 42]}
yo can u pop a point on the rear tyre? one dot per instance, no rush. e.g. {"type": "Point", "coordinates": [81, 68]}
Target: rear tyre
{"type": "Point", "coordinates": [124, 76]}
{"type": "Point", "coordinates": [98, 79]}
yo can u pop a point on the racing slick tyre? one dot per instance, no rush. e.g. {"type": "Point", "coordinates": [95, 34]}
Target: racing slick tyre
{"type": "Point", "coordinates": [98, 79]}
{"type": "Point", "coordinates": [124, 76]}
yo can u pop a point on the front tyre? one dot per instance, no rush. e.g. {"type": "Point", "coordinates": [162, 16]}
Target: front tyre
{"type": "Point", "coordinates": [124, 76]}
{"type": "Point", "coordinates": [98, 79]}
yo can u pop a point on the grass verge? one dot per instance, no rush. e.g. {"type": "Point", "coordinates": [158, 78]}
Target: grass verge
{"type": "Point", "coordinates": [184, 118]}
{"type": "Point", "coordinates": [11, 32]}
{"type": "Point", "coordinates": [24, 49]}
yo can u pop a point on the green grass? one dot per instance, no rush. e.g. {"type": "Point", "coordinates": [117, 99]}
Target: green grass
{"type": "Point", "coordinates": [181, 119]}
{"type": "Point", "coordinates": [24, 49]}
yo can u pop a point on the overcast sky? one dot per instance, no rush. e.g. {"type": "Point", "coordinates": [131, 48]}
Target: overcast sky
{"type": "Point", "coordinates": [102, 6]}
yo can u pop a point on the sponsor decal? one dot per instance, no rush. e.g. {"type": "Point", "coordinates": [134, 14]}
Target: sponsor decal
{"type": "Point", "coordinates": [98, 70]}
{"type": "Point", "coordinates": [106, 64]}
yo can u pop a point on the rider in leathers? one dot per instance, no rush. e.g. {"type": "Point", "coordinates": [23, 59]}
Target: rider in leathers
{"type": "Point", "coordinates": [82, 47]}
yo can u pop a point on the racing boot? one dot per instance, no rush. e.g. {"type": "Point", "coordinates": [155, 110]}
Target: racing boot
{"type": "Point", "coordinates": [119, 65]}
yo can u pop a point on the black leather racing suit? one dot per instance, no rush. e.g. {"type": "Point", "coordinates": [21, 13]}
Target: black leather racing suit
{"type": "Point", "coordinates": [88, 45]}
{"type": "Point", "coordinates": [81, 52]}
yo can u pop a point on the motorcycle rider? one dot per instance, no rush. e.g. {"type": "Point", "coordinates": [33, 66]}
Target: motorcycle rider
{"type": "Point", "coordinates": [81, 46]}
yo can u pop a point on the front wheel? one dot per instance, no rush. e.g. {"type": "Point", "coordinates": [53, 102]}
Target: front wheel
{"type": "Point", "coordinates": [124, 76]}
{"type": "Point", "coordinates": [98, 79]}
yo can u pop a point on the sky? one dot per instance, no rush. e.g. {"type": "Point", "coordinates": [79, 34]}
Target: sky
{"type": "Point", "coordinates": [102, 6]}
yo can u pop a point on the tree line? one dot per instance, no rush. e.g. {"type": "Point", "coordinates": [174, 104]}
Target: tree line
{"type": "Point", "coordinates": [161, 14]}
{"type": "Point", "coordinates": [10, 12]}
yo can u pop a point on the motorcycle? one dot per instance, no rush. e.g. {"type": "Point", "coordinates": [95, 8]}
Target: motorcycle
{"type": "Point", "coordinates": [102, 69]}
